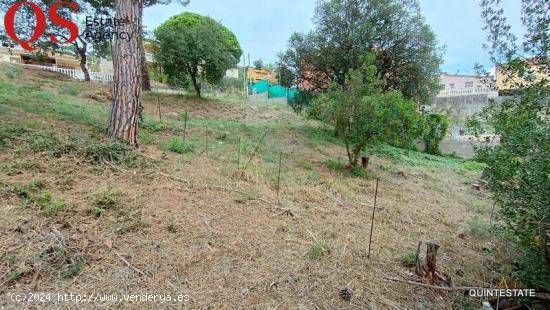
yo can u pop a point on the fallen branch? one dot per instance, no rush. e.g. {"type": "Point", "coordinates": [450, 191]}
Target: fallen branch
{"type": "Point", "coordinates": [227, 189]}
{"type": "Point", "coordinates": [174, 178]}
{"type": "Point", "coordinates": [284, 211]}
{"type": "Point", "coordinates": [128, 264]}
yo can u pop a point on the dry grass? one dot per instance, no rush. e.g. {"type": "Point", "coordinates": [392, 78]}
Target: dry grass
{"type": "Point", "coordinates": [220, 238]}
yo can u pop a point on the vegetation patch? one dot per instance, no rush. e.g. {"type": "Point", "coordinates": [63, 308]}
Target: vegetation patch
{"type": "Point", "coordinates": [177, 145]}
{"type": "Point", "coordinates": [114, 152]}
{"type": "Point", "coordinates": [315, 252]}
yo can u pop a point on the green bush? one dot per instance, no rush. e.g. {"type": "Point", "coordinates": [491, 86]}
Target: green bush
{"type": "Point", "coordinates": [434, 132]}
{"type": "Point", "coordinates": [177, 145]}
{"type": "Point", "coordinates": [531, 271]}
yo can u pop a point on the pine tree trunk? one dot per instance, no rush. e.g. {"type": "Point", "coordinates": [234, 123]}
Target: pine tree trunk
{"type": "Point", "coordinates": [123, 122]}
{"type": "Point", "coordinates": [146, 83]}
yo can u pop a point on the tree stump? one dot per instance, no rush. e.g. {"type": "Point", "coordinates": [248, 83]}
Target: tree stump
{"type": "Point", "coordinates": [365, 162]}
{"type": "Point", "coordinates": [431, 261]}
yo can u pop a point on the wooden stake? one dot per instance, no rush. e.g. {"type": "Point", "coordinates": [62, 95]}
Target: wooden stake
{"type": "Point", "coordinates": [206, 139]}
{"type": "Point", "coordinates": [492, 212]}
{"type": "Point", "coordinates": [417, 268]}
{"type": "Point", "coordinates": [254, 153]}
{"type": "Point", "coordinates": [279, 174]}
{"type": "Point", "coordinates": [238, 152]}
{"type": "Point", "coordinates": [160, 114]}
{"type": "Point", "coordinates": [185, 127]}
{"type": "Point", "coordinates": [372, 219]}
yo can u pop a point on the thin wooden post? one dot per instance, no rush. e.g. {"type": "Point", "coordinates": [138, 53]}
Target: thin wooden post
{"type": "Point", "coordinates": [160, 114]}
{"type": "Point", "coordinates": [279, 174]}
{"type": "Point", "coordinates": [492, 212]}
{"type": "Point", "coordinates": [238, 152]}
{"type": "Point", "coordinates": [254, 153]}
{"type": "Point", "coordinates": [417, 268]}
{"type": "Point", "coordinates": [206, 139]}
{"type": "Point", "coordinates": [185, 127]}
{"type": "Point", "coordinates": [372, 218]}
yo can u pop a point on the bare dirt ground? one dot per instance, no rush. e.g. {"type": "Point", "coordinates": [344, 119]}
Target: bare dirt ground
{"type": "Point", "coordinates": [219, 236]}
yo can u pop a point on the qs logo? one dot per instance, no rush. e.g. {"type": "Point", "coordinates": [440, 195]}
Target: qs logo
{"type": "Point", "coordinates": [40, 27]}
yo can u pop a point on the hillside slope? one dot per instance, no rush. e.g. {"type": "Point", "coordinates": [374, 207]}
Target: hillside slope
{"type": "Point", "coordinates": [81, 214]}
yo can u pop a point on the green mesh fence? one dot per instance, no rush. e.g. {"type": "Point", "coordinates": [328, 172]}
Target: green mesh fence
{"type": "Point", "coordinates": [273, 91]}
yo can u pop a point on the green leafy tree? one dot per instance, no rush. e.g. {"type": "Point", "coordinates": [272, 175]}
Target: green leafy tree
{"type": "Point", "coordinates": [197, 45]}
{"type": "Point", "coordinates": [407, 56]}
{"type": "Point", "coordinates": [436, 126]}
{"type": "Point", "coordinates": [363, 114]}
{"type": "Point", "coordinates": [518, 167]}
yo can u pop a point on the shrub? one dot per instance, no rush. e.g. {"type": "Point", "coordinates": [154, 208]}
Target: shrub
{"type": "Point", "coordinates": [363, 114]}
{"type": "Point", "coordinates": [531, 270]}
{"type": "Point", "coordinates": [434, 132]}
{"type": "Point", "coordinates": [179, 146]}
{"type": "Point", "coordinates": [301, 101]}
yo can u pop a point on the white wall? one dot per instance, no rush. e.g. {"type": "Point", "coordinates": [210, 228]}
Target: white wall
{"type": "Point", "coordinates": [458, 82]}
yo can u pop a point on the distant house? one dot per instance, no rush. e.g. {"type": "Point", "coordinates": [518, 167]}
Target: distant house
{"type": "Point", "coordinates": [459, 84]}
{"type": "Point", "coordinates": [15, 54]}
{"type": "Point", "coordinates": [255, 75]}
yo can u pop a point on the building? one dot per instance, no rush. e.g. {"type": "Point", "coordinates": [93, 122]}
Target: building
{"type": "Point", "coordinates": [15, 54]}
{"type": "Point", "coordinates": [460, 84]}
{"type": "Point", "coordinates": [255, 75]}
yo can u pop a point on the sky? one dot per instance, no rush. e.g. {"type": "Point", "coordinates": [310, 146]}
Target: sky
{"type": "Point", "coordinates": [263, 27]}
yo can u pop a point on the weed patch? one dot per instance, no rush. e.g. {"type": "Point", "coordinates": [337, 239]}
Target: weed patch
{"type": "Point", "coordinates": [409, 259]}
{"type": "Point", "coordinates": [315, 252]}
{"type": "Point", "coordinates": [177, 145]}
